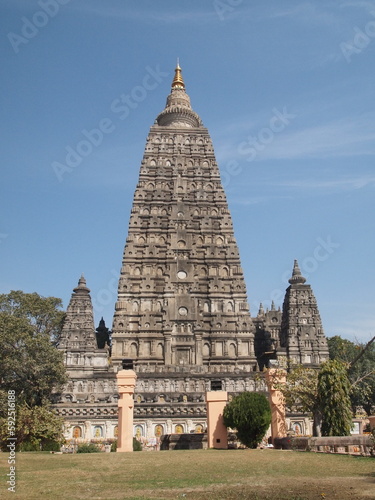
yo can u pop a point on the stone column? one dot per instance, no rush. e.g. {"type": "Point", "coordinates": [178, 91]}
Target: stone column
{"type": "Point", "coordinates": [216, 430]}
{"type": "Point", "coordinates": [225, 347]}
{"type": "Point", "coordinates": [126, 384]}
{"type": "Point", "coordinates": [88, 431]}
{"type": "Point", "coordinates": [278, 425]}
{"type": "Point", "coordinates": [198, 349]}
{"type": "Point", "coordinates": [168, 350]}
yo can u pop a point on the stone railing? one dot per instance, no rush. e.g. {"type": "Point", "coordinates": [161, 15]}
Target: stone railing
{"type": "Point", "coordinates": [183, 442]}
{"type": "Point", "coordinates": [350, 445]}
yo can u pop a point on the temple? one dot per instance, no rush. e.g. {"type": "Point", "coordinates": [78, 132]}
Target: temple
{"type": "Point", "coordinates": [182, 310]}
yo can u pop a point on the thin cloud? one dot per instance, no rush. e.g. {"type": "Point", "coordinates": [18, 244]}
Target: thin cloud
{"type": "Point", "coordinates": [361, 328]}
{"type": "Point", "coordinates": [310, 13]}
{"type": "Point", "coordinates": [337, 139]}
{"type": "Point", "coordinates": [254, 200]}
{"type": "Point", "coordinates": [291, 186]}
{"type": "Point", "coordinates": [344, 137]}
{"type": "Point", "coordinates": [357, 3]}
{"type": "Point", "coordinates": [151, 16]}
{"type": "Point", "coordinates": [346, 183]}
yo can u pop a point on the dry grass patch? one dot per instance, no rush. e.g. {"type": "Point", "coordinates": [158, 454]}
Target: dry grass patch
{"type": "Point", "coordinates": [192, 475]}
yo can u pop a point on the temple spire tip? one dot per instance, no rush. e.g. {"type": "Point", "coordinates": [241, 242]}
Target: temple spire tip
{"type": "Point", "coordinates": [297, 277]}
{"type": "Point", "coordinates": [178, 81]}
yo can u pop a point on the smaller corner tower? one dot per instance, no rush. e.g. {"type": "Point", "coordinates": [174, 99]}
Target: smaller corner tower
{"type": "Point", "coordinates": [267, 334]}
{"type": "Point", "coordinates": [302, 335]}
{"type": "Point", "coordinates": [88, 402]}
{"type": "Point", "coordinates": [78, 339]}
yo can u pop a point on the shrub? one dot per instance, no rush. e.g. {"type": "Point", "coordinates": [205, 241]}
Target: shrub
{"type": "Point", "coordinates": [137, 446]}
{"type": "Point", "coordinates": [30, 446]}
{"type": "Point", "coordinates": [250, 414]}
{"type": "Point", "coordinates": [51, 446]}
{"type": "Point", "coordinates": [87, 448]}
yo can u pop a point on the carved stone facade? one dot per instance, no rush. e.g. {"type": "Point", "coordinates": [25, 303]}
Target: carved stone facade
{"type": "Point", "coordinates": [295, 333]}
{"type": "Point", "coordinates": [267, 335]}
{"type": "Point", "coordinates": [302, 334]}
{"type": "Point", "coordinates": [182, 312]}
{"type": "Point", "coordinates": [182, 295]}
{"type": "Point", "coordinates": [89, 400]}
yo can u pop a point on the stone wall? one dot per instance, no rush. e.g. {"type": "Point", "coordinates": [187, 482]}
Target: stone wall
{"type": "Point", "coordinates": [183, 442]}
{"type": "Point", "coordinates": [350, 445]}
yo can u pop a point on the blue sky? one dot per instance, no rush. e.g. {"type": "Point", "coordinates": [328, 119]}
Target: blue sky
{"type": "Point", "coordinates": [286, 90]}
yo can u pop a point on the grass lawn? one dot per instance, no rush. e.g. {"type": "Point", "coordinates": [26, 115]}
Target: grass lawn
{"type": "Point", "coordinates": [191, 475]}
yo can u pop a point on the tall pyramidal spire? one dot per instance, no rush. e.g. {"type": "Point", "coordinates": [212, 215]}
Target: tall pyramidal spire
{"type": "Point", "coordinates": [78, 338]}
{"type": "Point", "coordinates": [302, 336]}
{"type": "Point", "coordinates": [182, 298]}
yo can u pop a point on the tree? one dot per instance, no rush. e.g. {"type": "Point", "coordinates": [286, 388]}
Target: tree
{"type": "Point", "coordinates": [360, 362]}
{"type": "Point", "coordinates": [308, 390]}
{"type": "Point", "coordinates": [333, 399]}
{"type": "Point", "coordinates": [300, 392]}
{"type": "Point", "coordinates": [36, 428]}
{"type": "Point", "coordinates": [250, 414]}
{"type": "Point", "coordinates": [42, 313]}
{"type": "Point", "coordinates": [30, 364]}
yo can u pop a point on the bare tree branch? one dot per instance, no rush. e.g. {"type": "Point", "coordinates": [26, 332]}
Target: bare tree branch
{"type": "Point", "coordinates": [362, 378]}
{"type": "Point", "coordinates": [359, 356]}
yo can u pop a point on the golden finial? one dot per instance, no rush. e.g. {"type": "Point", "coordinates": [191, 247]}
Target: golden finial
{"type": "Point", "coordinates": [178, 81]}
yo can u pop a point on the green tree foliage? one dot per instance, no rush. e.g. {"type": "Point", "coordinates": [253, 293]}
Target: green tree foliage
{"type": "Point", "coordinates": [250, 414]}
{"type": "Point", "coordinates": [300, 392]}
{"type": "Point", "coordinates": [333, 399]}
{"type": "Point", "coordinates": [30, 364]}
{"type": "Point", "coordinates": [44, 314]}
{"type": "Point", "coordinates": [306, 391]}
{"type": "Point", "coordinates": [301, 389]}
{"type": "Point", "coordinates": [361, 370]}
{"type": "Point", "coordinates": [37, 428]}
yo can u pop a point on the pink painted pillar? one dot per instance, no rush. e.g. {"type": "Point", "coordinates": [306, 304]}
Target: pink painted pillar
{"type": "Point", "coordinates": [216, 430]}
{"type": "Point", "coordinates": [275, 397]}
{"type": "Point", "coordinates": [372, 421]}
{"type": "Point", "coordinates": [126, 384]}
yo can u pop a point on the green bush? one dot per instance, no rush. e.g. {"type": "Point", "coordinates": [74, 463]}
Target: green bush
{"type": "Point", "coordinates": [88, 448]}
{"type": "Point", "coordinates": [30, 446]}
{"type": "Point", "coordinates": [250, 414]}
{"type": "Point", "coordinates": [137, 446]}
{"type": "Point", "coordinates": [51, 446]}
{"type": "Point", "coordinates": [40, 446]}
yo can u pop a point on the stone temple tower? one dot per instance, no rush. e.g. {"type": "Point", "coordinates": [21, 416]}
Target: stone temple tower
{"type": "Point", "coordinates": [182, 312]}
{"type": "Point", "coordinates": [78, 335]}
{"type": "Point", "coordinates": [91, 387]}
{"type": "Point", "coordinates": [182, 296]}
{"type": "Point", "coordinates": [302, 335]}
